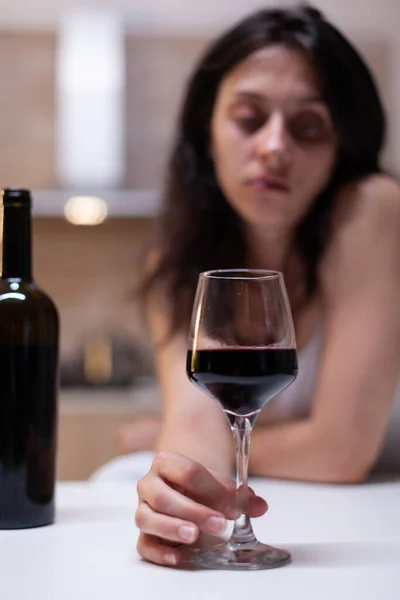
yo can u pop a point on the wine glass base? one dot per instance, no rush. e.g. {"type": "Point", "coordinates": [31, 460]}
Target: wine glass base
{"type": "Point", "coordinates": [250, 556]}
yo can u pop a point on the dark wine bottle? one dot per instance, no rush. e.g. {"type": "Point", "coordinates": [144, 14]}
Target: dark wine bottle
{"type": "Point", "coordinates": [29, 339]}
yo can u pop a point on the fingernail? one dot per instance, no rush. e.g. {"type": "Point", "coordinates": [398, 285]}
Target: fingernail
{"type": "Point", "coordinates": [187, 533]}
{"type": "Point", "coordinates": [170, 559]}
{"type": "Point", "coordinates": [215, 525]}
{"type": "Point", "coordinates": [231, 511]}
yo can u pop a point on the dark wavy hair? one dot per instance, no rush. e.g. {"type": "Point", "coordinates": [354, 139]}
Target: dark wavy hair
{"type": "Point", "coordinates": [197, 229]}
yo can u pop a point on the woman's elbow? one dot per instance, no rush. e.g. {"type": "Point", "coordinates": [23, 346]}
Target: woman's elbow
{"type": "Point", "coordinates": [347, 475]}
{"type": "Point", "coordinates": [351, 469]}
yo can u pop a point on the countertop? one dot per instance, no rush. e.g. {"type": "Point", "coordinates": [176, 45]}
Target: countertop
{"type": "Point", "coordinates": [344, 540]}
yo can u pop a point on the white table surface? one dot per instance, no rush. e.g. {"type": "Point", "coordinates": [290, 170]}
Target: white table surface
{"type": "Point", "coordinates": [345, 543]}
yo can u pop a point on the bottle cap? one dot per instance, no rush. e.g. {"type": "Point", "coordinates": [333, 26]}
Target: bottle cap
{"type": "Point", "coordinates": [15, 197]}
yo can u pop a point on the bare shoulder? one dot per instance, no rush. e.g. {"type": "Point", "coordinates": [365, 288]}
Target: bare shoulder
{"type": "Point", "coordinates": [364, 208]}
{"type": "Point", "coordinates": [365, 233]}
{"type": "Point", "coordinates": [374, 198]}
{"type": "Point", "coordinates": [381, 184]}
{"type": "Point", "coordinates": [378, 183]}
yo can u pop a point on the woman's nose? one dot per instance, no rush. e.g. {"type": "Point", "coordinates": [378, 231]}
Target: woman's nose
{"type": "Point", "coordinates": [272, 143]}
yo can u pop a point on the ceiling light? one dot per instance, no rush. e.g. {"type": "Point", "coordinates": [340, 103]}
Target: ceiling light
{"type": "Point", "coordinates": [85, 210]}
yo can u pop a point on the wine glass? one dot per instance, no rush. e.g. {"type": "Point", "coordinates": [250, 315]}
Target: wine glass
{"type": "Point", "coordinates": [242, 352]}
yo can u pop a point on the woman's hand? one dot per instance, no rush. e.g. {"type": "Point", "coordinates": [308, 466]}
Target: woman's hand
{"type": "Point", "coordinates": [180, 498]}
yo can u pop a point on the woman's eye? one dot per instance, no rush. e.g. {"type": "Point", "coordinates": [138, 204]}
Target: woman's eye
{"type": "Point", "coordinates": [308, 129]}
{"type": "Point", "coordinates": [248, 123]}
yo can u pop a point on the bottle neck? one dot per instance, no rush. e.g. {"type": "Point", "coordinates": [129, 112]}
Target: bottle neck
{"type": "Point", "coordinates": [15, 242]}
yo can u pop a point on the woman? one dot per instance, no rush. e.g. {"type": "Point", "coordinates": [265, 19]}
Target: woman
{"type": "Point", "coordinates": [276, 166]}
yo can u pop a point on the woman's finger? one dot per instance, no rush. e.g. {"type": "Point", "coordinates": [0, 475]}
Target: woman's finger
{"type": "Point", "coordinates": [163, 526]}
{"type": "Point", "coordinates": [197, 481]}
{"type": "Point", "coordinates": [154, 550]}
{"type": "Point", "coordinates": [167, 501]}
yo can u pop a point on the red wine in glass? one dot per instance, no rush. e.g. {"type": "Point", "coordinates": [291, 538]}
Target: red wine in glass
{"type": "Point", "coordinates": [242, 379]}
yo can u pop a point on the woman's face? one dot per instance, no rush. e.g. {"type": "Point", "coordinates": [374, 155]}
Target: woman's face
{"type": "Point", "coordinates": [272, 137]}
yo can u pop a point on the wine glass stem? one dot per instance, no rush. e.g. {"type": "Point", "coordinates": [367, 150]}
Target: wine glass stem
{"type": "Point", "coordinates": [242, 531]}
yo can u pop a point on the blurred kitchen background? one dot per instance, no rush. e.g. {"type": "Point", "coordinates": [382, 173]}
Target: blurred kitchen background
{"type": "Point", "coordinates": [88, 101]}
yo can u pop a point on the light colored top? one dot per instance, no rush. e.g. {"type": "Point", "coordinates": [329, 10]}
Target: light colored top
{"type": "Point", "coordinates": [344, 540]}
{"type": "Point", "coordinates": [295, 403]}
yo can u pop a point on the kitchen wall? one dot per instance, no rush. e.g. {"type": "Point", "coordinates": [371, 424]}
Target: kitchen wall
{"type": "Point", "coordinates": [27, 109]}
{"type": "Point", "coordinates": [92, 273]}
{"type": "Point", "coordinates": [156, 70]}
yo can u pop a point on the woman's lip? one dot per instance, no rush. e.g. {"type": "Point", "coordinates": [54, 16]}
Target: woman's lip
{"type": "Point", "coordinates": [265, 183]}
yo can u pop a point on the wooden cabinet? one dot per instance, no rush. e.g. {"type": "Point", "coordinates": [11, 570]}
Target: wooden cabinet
{"type": "Point", "coordinates": [89, 423]}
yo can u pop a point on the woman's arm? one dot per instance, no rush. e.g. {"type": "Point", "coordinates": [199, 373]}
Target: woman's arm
{"type": "Point", "coordinates": [193, 423]}
{"type": "Point", "coordinates": [360, 362]}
